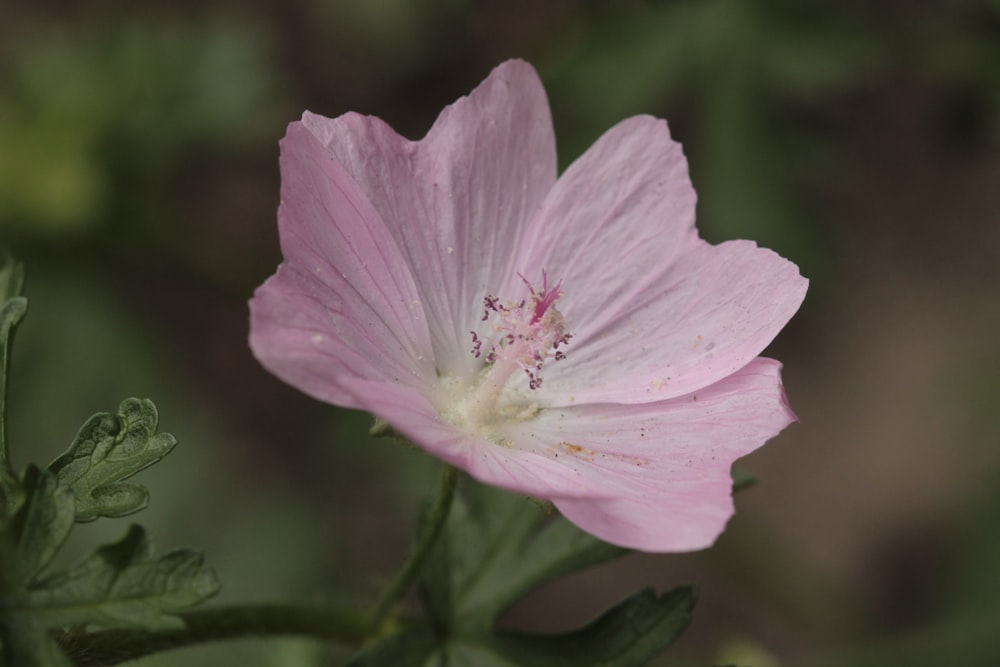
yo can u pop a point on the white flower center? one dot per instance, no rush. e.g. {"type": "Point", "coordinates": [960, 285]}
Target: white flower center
{"type": "Point", "coordinates": [524, 335]}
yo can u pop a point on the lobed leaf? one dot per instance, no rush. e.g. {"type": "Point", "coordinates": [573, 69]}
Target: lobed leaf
{"type": "Point", "coordinates": [123, 586]}
{"type": "Point", "coordinates": [108, 449]}
{"type": "Point", "coordinates": [39, 528]}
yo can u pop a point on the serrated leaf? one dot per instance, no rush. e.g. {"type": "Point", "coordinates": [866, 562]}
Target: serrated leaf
{"type": "Point", "coordinates": [40, 527]}
{"type": "Point", "coordinates": [108, 449]}
{"type": "Point", "coordinates": [123, 586]}
{"type": "Point", "coordinates": [495, 548]}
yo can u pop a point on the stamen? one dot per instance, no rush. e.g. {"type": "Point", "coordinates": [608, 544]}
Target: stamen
{"type": "Point", "coordinates": [525, 335]}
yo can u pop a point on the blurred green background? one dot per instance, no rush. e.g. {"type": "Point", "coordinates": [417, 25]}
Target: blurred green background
{"type": "Point", "coordinates": [139, 181]}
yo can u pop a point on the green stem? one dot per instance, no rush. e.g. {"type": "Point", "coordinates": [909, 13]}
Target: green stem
{"type": "Point", "coordinates": [12, 309]}
{"type": "Point", "coordinates": [112, 647]}
{"type": "Point", "coordinates": [429, 533]}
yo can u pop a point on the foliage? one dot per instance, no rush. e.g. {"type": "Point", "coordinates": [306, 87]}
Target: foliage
{"type": "Point", "coordinates": [121, 585]}
{"type": "Point", "coordinates": [495, 549]}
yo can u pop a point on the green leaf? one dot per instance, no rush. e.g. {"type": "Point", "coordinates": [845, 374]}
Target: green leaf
{"type": "Point", "coordinates": [627, 635]}
{"type": "Point", "coordinates": [110, 448]}
{"type": "Point", "coordinates": [39, 528]}
{"type": "Point", "coordinates": [28, 541]}
{"type": "Point", "coordinates": [122, 586]}
{"type": "Point", "coordinates": [495, 548]}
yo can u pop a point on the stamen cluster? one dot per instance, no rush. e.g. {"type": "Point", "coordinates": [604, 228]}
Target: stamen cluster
{"type": "Point", "coordinates": [526, 333]}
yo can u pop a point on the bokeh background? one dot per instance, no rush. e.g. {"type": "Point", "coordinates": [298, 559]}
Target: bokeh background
{"type": "Point", "coordinates": [139, 181]}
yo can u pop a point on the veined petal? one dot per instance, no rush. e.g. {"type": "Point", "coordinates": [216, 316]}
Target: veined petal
{"type": "Point", "coordinates": [510, 466]}
{"type": "Point", "coordinates": [343, 302]}
{"type": "Point", "coordinates": [621, 211]}
{"type": "Point", "coordinates": [456, 201]}
{"type": "Point", "coordinates": [664, 467]}
{"type": "Point", "coordinates": [654, 311]}
{"type": "Point", "coordinates": [617, 219]}
{"type": "Point", "coordinates": [692, 322]}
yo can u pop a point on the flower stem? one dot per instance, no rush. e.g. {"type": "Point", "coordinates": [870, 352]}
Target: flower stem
{"type": "Point", "coordinates": [429, 533]}
{"type": "Point", "coordinates": [112, 647]}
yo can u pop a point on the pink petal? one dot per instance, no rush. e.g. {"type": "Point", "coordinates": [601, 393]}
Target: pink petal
{"type": "Point", "coordinates": [664, 467]}
{"type": "Point", "coordinates": [655, 312]}
{"type": "Point", "coordinates": [522, 470]}
{"type": "Point", "coordinates": [618, 218]}
{"type": "Point", "coordinates": [456, 201]}
{"type": "Point", "coordinates": [344, 301]}
{"type": "Point", "coordinates": [693, 322]}
{"type": "Point", "coordinates": [626, 206]}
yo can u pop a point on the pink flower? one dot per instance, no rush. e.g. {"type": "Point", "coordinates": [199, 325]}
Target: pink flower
{"type": "Point", "coordinates": [570, 339]}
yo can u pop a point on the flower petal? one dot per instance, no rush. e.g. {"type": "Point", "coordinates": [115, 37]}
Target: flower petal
{"type": "Point", "coordinates": [697, 320]}
{"type": "Point", "coordinates": [626, 204]}
{"type": "Point", "coordinates": [456, 201]}
{"type": "Point", "coordinates": [655, 312]}
{"type": "Point", "coordinates": [665, 467]}
{"type": "Point", "coordinates": [343, 302]}
{"type": "Point", "coordinates": [527, 471]}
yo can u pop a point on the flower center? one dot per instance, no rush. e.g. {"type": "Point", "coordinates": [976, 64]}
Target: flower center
{"type": "Point", "coordinates": [524, 336]}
